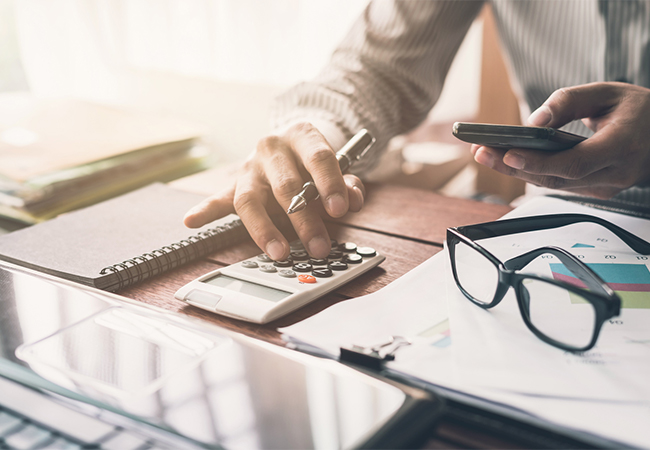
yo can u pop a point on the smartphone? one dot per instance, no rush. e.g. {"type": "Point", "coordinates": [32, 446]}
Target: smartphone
{"type": "Point", "coordinates": [515, 136]}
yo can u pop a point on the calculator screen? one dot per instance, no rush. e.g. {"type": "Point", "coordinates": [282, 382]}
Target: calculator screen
{"type": "Point", "coordinates": [246, 287]}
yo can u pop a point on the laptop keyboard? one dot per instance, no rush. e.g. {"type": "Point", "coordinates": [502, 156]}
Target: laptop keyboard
{"type": "Point", "coordinates": [32, 420]}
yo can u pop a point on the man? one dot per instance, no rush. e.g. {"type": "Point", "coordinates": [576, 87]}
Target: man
{"type": "Point", "coordinates": [583, 65]}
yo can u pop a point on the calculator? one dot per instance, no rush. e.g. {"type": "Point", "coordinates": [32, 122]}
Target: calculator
{"type": "Point", "coordinates": [260, 290]}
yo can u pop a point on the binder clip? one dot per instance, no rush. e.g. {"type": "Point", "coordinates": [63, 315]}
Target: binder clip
{"type": "Point", "coordinates": [373, 357]}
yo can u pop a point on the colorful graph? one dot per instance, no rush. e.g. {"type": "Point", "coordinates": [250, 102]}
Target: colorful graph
{"type": "Point", "coordinates": [630, 281]}
{"type": "Point", "coordinates": [440, 334]}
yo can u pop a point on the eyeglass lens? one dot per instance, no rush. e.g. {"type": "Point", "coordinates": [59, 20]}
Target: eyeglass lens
{"type": "Point", "coordinates": [477, 275]}
{"type": "Point", "coordinates": [563, 316]}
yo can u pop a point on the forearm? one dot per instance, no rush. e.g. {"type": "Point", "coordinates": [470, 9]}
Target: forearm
{"type": "Point", "coordinates": [385, 76]}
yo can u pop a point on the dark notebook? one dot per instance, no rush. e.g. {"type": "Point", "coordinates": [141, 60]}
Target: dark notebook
{"type": "Point", "coordinates": [121, 241]}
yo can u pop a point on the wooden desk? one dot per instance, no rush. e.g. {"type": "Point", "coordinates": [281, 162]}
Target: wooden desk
{"type": "Point", "coordinates": [407, 225]}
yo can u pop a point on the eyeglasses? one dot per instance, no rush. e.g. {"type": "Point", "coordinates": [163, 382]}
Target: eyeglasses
{"type": "Point", "coordinates": [485, 280]}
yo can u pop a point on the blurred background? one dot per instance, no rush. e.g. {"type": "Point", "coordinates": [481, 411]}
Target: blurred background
{"type": "Point", "coordinates": [221, 62]}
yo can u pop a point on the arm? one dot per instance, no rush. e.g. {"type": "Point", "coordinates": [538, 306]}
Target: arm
{"type": "Point", "coordinates": [385, 76]}
{"type": "Point", "coordinates": [615, 158]}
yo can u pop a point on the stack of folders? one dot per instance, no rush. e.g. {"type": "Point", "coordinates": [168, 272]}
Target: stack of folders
{"type": "Point", "coordinates": [61, 154]}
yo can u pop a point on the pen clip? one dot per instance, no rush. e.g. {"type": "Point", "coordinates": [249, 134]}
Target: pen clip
{"type": "Point", "coordinates": [355, 148]}
{"type": "Point", "coordinates": [365, 150]}
{"type": "Point", "coordinates": [375, 356]}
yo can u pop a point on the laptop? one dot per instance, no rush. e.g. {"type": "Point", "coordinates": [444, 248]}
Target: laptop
{"type": "Point", "coordinates": [82, 368]}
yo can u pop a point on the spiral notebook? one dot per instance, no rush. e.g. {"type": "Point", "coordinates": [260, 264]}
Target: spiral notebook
{"type": "Point", "coordinates": [121, 241]}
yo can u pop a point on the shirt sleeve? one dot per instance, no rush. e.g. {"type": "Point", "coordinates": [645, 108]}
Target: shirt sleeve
{"type": "Point", "coordinates": [385, 76]}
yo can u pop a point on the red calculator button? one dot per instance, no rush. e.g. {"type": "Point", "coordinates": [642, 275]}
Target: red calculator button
{"type": "Point", "coordinates": [304, 278]}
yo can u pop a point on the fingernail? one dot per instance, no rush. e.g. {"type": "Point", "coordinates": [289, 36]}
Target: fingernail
{"type": "Point", "coordinates": [359, 194]}
{"type": "Point", "coordinates": [540, 117]}
{"type": "Point", "coordinates": [336, 205]}
{"type": "Point", "coordinates": [484, 157]}
{"type": "Point", "coordinates": [275, 250]}
{"type": "Point", "coordinates": [318, 247]}
{"type": "Point", "coordinates": [514, 160]}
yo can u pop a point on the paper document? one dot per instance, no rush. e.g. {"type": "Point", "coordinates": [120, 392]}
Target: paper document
{"type": "Point", "coordinates": [494, 355]}
{"type": "Point", "coordinates": [413, 306]}
{"type": "Point", "coordinates": [495, 348]}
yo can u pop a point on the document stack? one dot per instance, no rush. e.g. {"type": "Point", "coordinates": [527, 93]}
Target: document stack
{"type": "Point", "coordinates": [57, 155]}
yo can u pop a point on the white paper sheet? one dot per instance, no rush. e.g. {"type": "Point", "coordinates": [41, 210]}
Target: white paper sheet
{"type": "Point", "coordinates": [413, 306]}
{"type": "Point", "coordinates": [495, 349]}
{"type": "Point", "coordinates": [605, 391]}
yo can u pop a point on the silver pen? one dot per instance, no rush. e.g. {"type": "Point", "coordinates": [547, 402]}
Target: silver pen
{"type": "Point", "coordinates": [348, 155]}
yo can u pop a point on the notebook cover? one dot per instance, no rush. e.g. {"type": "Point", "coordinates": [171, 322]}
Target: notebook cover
{"type": "Point", "coordinates": [78, 245]}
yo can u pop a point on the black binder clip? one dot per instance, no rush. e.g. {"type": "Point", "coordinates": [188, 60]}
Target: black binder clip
{"type": "Point", "coordinates": [373, 357]}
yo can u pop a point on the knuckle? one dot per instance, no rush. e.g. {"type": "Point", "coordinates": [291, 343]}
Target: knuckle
{"type": "Point", "coordinates": [268, 144]}
{"type": "Point", "coordinates": [243, 201]}
{"type": "Point", "coordinates": [561, 97]}
{"type": "Point", "coordinates": [301, 128]}
{"type": "Point", "coordinates": [553, 182]}
{"type": "Point", "coordinates": [575, 169]}
{"type": "Point", "coordinates": [319, 155]}
{"type": "Point", "coordinates": [286, 185]}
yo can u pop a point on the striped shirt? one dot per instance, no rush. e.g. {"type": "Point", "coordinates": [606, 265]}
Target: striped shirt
{"type": "Point", "coordinates": [388, 72]}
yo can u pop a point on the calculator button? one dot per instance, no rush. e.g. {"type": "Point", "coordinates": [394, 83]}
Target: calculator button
{"type": "Point", "coordinates": [322, 272]}
{"type": "Point", "coordinates": [318, 262]}
{"type": "Point", "coordinates": [268, 268]}
{"type": "Point", "coordinates": [348, 247]}
{"type": "Point", "coordinates": [303, 267]}
{"type": "Point", "coordinates": [335, 254]}
{"type": "Point", "coordinates": [304, 278]}
{"type": "Point", "coordinates": [353, 258]}
{"type": "Point", "coordinates": [283, 263]}
{"type": "Point", "coordinates": [366, 251]}
{"type": "Point", "coordinates": [300, 256]}
{"type": "Point", "coordinates": [287, 273]}
{"type": "Point", "coordinates": [296, 246]}
{"type": "Point", "coordinates": [264, 258]}
{"type": "Point", "coordinates": [249, 264]}
{"type": "Point", "coordinates": [337, 265]}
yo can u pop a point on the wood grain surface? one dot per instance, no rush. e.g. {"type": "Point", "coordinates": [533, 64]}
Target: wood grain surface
{"type": "Point", "coordinates": [407, 225]}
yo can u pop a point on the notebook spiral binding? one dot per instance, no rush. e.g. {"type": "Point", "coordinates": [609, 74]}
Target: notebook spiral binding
{"type": "Point", "coordinates": [168, 257]}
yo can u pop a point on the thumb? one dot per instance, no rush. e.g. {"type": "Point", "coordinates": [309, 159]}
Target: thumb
{"type": "Point", "coordinates": [568, 104]}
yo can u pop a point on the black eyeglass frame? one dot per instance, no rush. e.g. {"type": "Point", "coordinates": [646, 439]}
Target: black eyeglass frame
{"type": "Point", "coordinates": [605, 301]}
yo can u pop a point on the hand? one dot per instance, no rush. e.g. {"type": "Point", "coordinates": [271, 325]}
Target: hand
{"type": "Point", "coordinates": [273, 174]}
{"type": "Point", "coordinates": [615, 158]}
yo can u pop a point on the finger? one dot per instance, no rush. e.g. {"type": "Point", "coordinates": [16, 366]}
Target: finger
{"type": "Point", "coordinates": [572, 103]}
{"type": "Point", "coordinates": [249, 199]}
{"type": "Point", "coordinates": [320, 161]}
{"type": "Point", "coordinates": [210, 209]}
{"type": "Point", "coordinates": [285, 180]}
{"type": "Point", "coordinates": [311, 230]}
{"type": "Point", "coordinates": [597, 183]}
{"type": "Point", "coordinates": [356, 192]}
{"type": "Point", "coordinates": [488, 156]}
{"type": "Point", "coordinates": [578, 162]}
{"type": "Point", "coordinates": [473, 149]}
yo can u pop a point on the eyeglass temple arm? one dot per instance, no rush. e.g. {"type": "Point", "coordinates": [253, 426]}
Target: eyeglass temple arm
{"type": "Point", "coordinates": [578, 268]}
{"type": "Point", "coordinates": [545, 222]}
